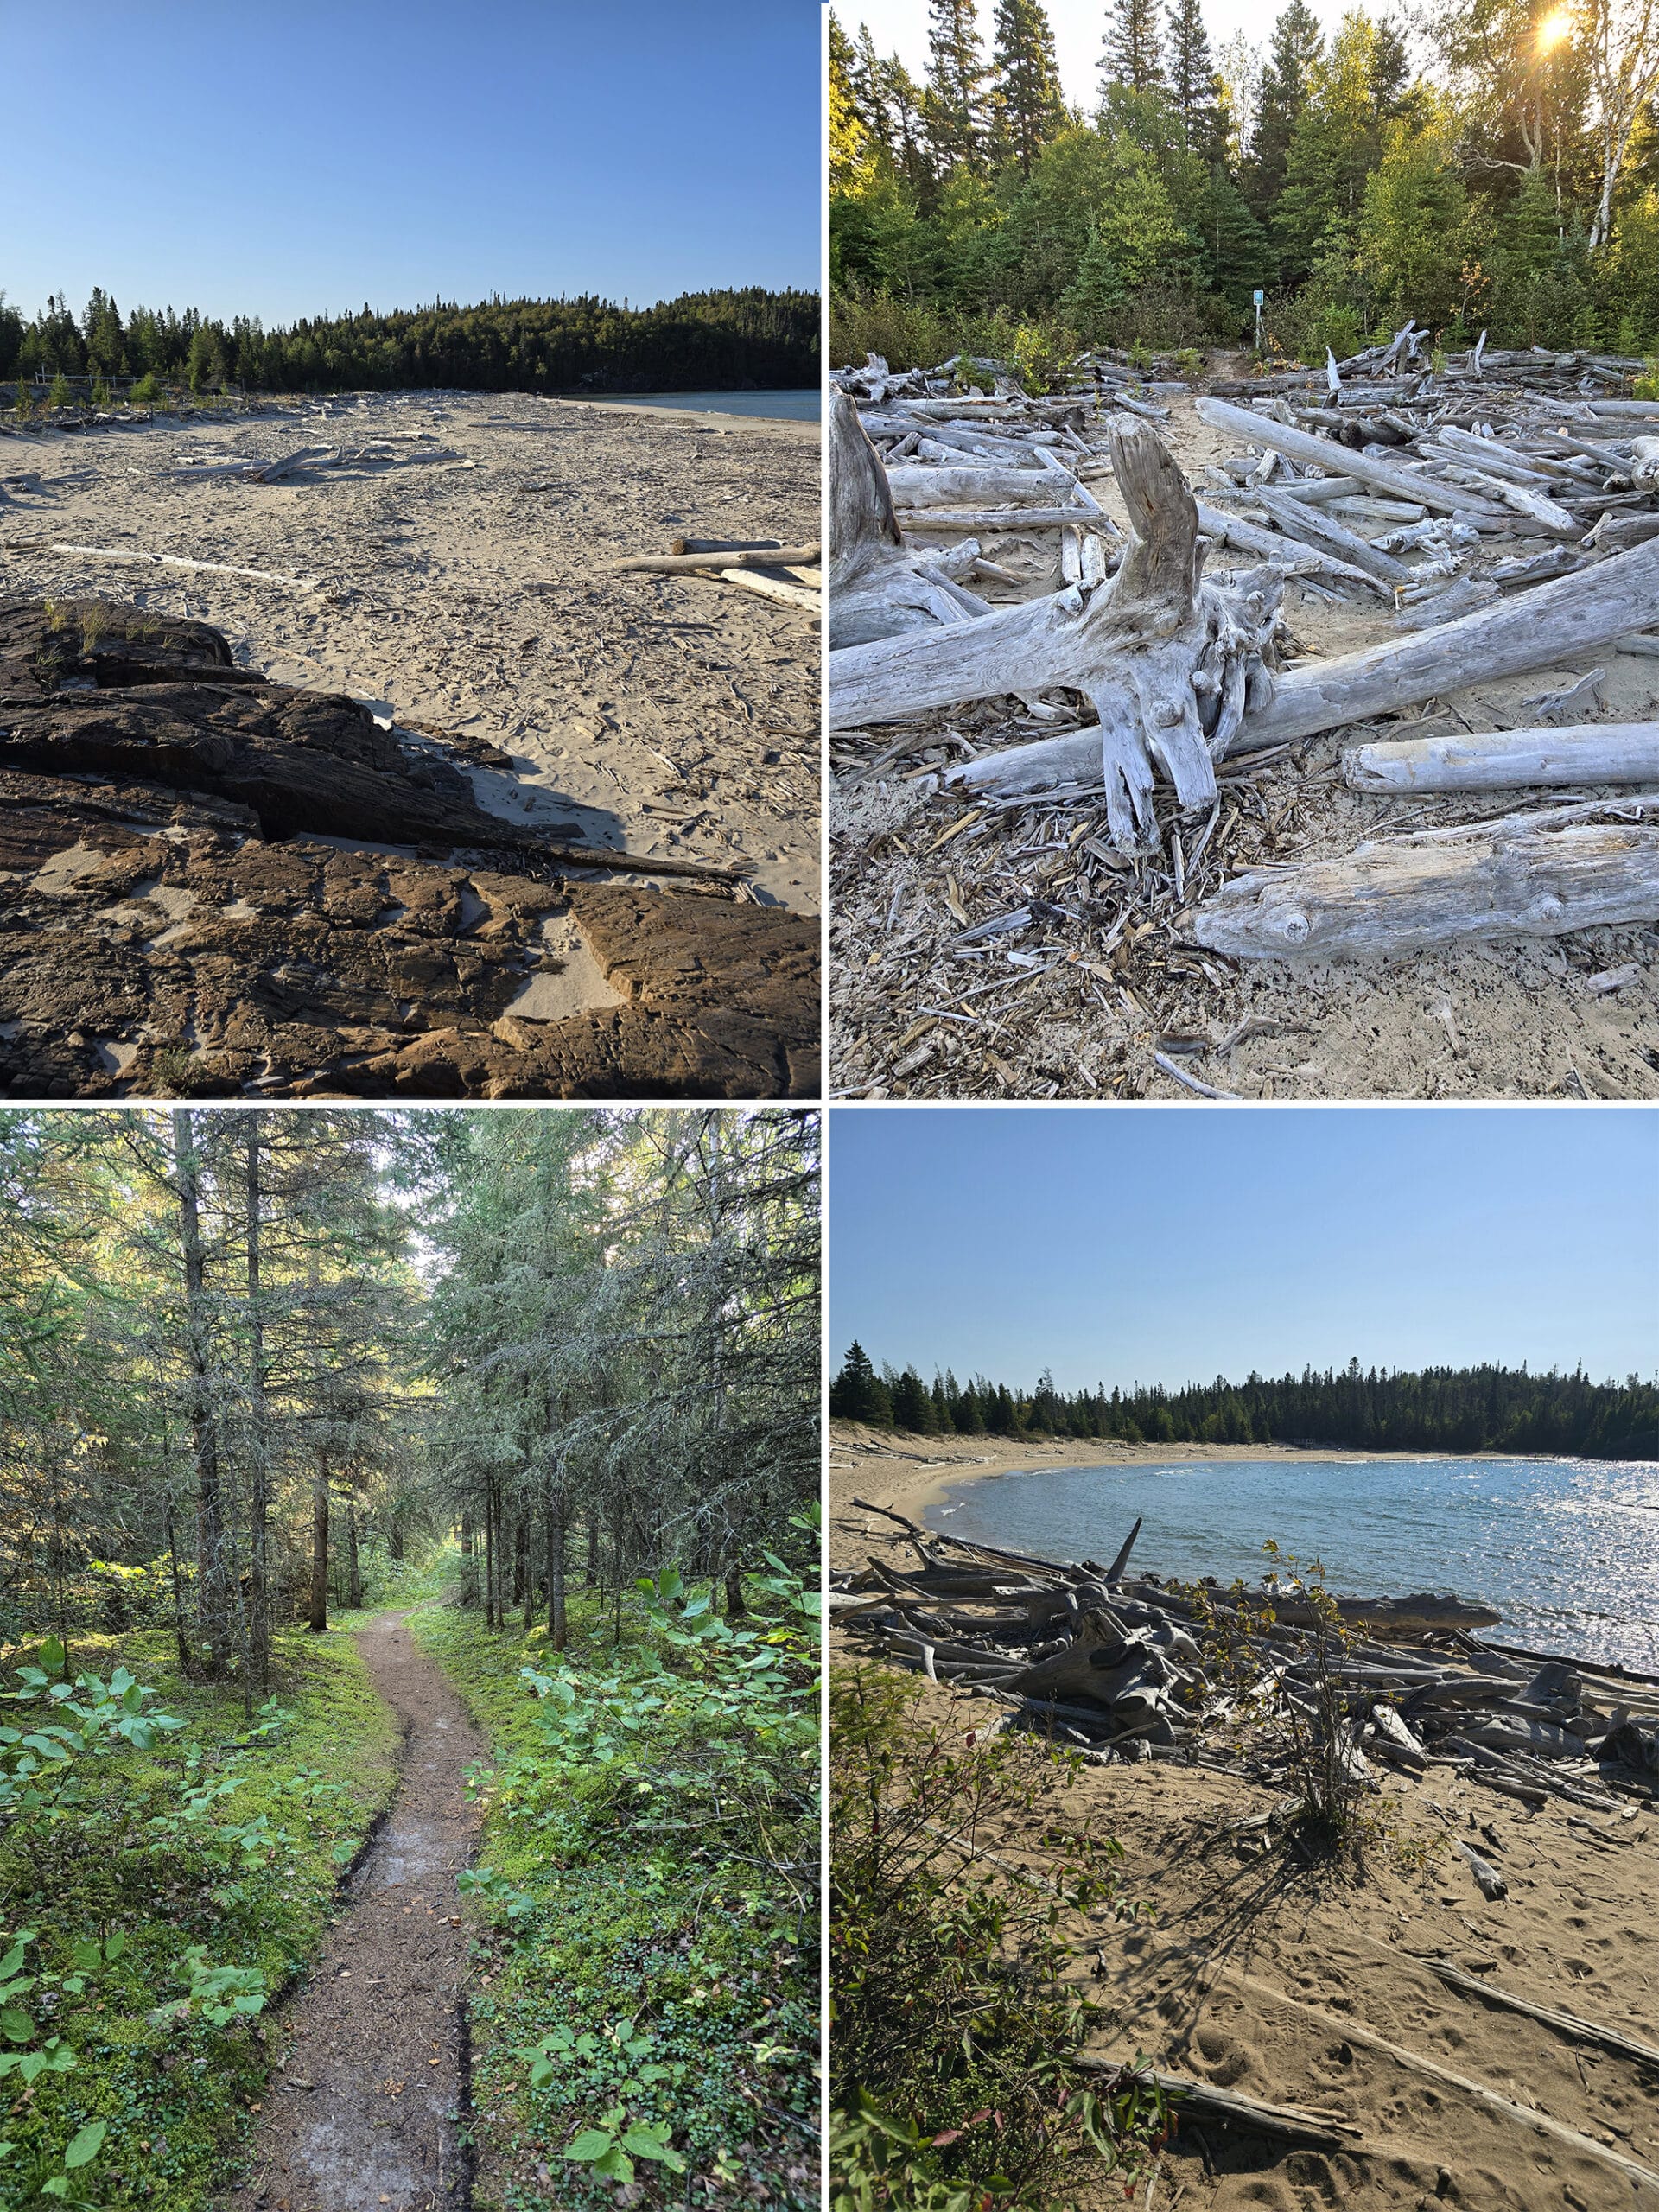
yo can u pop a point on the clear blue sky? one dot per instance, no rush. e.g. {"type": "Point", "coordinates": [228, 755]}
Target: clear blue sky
{"type": "Point", "coordinates": [1171, 1245]}
{"type": "Point", "coordinates": [308, 158]}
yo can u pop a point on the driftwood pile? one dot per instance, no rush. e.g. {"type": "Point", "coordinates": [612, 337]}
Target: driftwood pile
{"type": "Point", "coordinates": [1115, 1665]}
{"type": "Point", "coordinates": [1504, 508]}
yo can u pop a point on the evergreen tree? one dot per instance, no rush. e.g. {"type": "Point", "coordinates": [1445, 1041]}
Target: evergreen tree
{"type": "Point", "coordinates": [1133, 58]}
{"type": "Point", "coordinates": [858, 1392]}
{"type": "Point", "coordinates": [1236, 256]}
{"type": "Point", "coordinates": [942, 1419]}
{"type": "Point", "coordinates": [1295, 51]}
{"type": "Point", "coordinates": [847, 131]}
{"type": "Point", "coordinates": [957, 76]}
{"type": "Point", "coordinates": [1192, 77]}
{"type": "Point", "coordinates": [912, 1405]}
{"type": "Point", "coordinates": [1028, 108]}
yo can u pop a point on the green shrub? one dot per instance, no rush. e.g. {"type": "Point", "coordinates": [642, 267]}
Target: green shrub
{"type": "Point", "coordinates": [954, 2038]}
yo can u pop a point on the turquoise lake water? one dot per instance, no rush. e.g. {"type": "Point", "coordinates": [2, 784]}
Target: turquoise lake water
{"type": "Point", "coordinates": [1567, 1550]}
{"type": "Point", "coordinates": [781, 406]}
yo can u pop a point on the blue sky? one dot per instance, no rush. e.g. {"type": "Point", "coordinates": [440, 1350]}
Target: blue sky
{"type": "Point", "coordinates": [1173, 1244]}
{"type": "Point", "coordinates": [308, 158]}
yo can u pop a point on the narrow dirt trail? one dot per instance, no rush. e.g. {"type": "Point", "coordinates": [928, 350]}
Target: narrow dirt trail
{"type": "Point", "coordinates": [361, 2108]}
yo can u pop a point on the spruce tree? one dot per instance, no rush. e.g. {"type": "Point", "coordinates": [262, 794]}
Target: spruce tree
{"type": "Point", "coordinates": [955, 86]}
{"type": "Point", "coordinates": [1133, 58]}
{"type": "Point", "coordinates": [1028, 107]}
{"type": "Point", "coordinates": [1236, 256]}
{"type": "Point", "coordinates": [1293, 53]}
{"type": "Point", "coordinates": [1193, 76]}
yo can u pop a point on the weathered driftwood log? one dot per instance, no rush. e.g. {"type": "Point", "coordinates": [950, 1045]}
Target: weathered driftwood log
{"type": "Point", "coordinates": [1300, 445]}
{"type": "Point", "coordinates": [1410, 896]}
{"type": "Point", "coordinates": [178, 561]}
{"type": "Point", "coordinates": [1567, 2024]}
{"type": "Point", "coordinates": [1301, 518]}
{"type": "Point", "coordinates": [986, 521]}
{"type": "Point", "coordinates": [877, 587]}
{"type": "Point", "coordinates": [1492, 1884]}
{"type": "Point", "coordinates": [1550, 623]}
{"type": "Point", "coordinates": [984, 487]}
{"type": "Point", "coordinates": [1166, 661]}
{"type": "Point", "coordinates": [1319, 2130]}
{"type": "Point", "coordinates": [778, 588]}
{"type": "Point", "coordinates": [749, 556]}
{"type": "Point", "coordinates": [1247, 537]}
{"type": "Point", "coordinates": [1509, 759]}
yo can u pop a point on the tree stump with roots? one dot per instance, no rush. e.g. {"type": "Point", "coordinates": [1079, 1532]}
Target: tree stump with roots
{"type": "Point", "coordinates": [878, 587]}
{"type": "Point", "coordinates": [1169, 664]}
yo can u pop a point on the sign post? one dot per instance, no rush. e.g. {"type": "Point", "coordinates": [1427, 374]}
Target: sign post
{"type": "Point", "coordinates": [1259, 297]}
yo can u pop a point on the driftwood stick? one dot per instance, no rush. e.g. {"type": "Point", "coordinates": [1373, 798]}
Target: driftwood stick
{"type": "Point", "coordinates": [177, 561]}
{"type": "Point", "coordinates": [800, 596]}
{"type": "Point", "coordinates": [1301, 445]}
{"type": "Point", "coordinates": [670, 564]}
{"type": "Point", "coordinates": [1509, 759]}
{"type": "Point", "coordinates": [1568, 2023]}
{"type": "Point", "coordinates": [1116, 1571]}
{"type": "Point", "coordinates": [1324, 2132]}
{"type": "Point", "coordinates": [1477, 2092]}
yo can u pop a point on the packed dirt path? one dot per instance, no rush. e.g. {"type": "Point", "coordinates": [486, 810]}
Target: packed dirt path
{"type": "Point", "coordinates": [368, 2080]}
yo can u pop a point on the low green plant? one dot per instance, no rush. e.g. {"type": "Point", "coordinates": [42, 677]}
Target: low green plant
{"type": "Point", "coordinates": [148, 389]}
{"type": "Point", "coordinates": [955, 2035]}
{"type": "Point", "coordinates": [59, 393]}
{"type": "Point", "coordinates": [1646, 385]}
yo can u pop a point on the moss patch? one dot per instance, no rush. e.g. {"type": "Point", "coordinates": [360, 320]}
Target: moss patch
{"type": "Point", "coordinates": [672, 1984]}
{"type": "Point", "coordinates": [251, 1876]}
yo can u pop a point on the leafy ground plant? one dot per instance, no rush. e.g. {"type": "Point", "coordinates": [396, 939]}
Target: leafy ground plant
{"type": "Point", "coordinates": [164, 1869]}
{"type": "Point", "coordinates": [646, 2012]}
{"type": "Point", "coordinates": [953, 2035]}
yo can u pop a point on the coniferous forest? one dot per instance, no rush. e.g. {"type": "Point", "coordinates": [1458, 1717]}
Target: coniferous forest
{"type": "Point", "coordinates": [1439, 1410]}
{"type": "Point", "coordinates": [704, 341]}
{"type": "Point", "coordinates": [313, 1422]}
{"type": "Point", "coordinates": [1485, 164]}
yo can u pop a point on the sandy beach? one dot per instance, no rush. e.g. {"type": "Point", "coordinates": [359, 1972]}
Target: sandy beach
{"type": "Point", "coordinates": [1511, 1018]}
{"type": "Point", "coordinates": [466, 588]}
{"type": "Point", "coordinates": [1306, 1988]}
{"type": "Point", "coordinates": [1290, 1986]}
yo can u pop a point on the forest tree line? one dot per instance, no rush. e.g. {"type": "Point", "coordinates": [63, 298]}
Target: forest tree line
{"type": "Point", "coordinates": [1437, 1410]}
{"type": "Point", "coordinates": [251, 1360]}
{"type": "Point", "coordinates": [702, 341]}
{"type": "Point", "coordinates": [1497, 169]}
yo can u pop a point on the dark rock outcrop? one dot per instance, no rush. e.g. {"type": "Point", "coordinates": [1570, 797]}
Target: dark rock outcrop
{"type": "Point", "coordinates": [173, 922]}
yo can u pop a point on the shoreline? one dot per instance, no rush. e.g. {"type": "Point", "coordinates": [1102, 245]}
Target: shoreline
{"type": "Point", "coordinates": [911, 1475]}
{"type": "Point", "coordinates": [706, 418]}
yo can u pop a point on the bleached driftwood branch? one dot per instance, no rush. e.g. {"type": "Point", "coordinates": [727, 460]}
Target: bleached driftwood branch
{"type": "Point", "coordinates": [1509, 759]}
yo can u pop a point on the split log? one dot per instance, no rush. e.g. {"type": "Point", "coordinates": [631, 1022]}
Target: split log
{"type": "Point", "coordinates": [1299, 445]}
{"type": "Point", "coordinates": [1165, 661]}
{"type": "Point", "coordinates": [1509, 759]}
{"type": "Point", "coordinates": [1300, 518]}
{"type": "Point", "coordinates": [879, 588]}
{"type": "Point", "coordinates": [1414, 896]}
{"type": "Point", "coordinates": [757, 556]}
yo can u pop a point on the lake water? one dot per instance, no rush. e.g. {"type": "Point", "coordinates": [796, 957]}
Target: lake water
{"type": "Point", "coordinates": [780, 406]}
{"type": "Point", "coordinates": [1567, 1549]}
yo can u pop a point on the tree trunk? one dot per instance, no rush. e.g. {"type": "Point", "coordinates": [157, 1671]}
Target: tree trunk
{"type": "Point", "coordinates": [489, 1549]}
{"type": "Point", "coordinates": [212, 1606]}
{"type": "Point", "coordinates": [468, 1558]}
{"type": "Point", "coordinates": [353, 1573]}
{"type": "Point", "coordinates": [319, 1547]}
{"type": "Point", "coordinates": [590, 1576]}
{"type": "Point", "coordinates": [736, 1607]}
{"type": "Point", "coordinates": [260, 1497]}
{"type": "Point", "coordinates": [557, 1633]}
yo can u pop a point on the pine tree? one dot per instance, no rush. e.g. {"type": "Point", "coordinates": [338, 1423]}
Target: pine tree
{"type": "Point", "coordinates": [913, 1406]}
{"type": "Point", "coordinates": [1133, 57]}
{"type": "Point", "coordinates": [955, 86]}
{"type": "Point", "coordinates": [1027, 108]}
{"type": "Point", "coordinates": [1193, 76]}
{"type": "Point", "coordinates": [858, 1392]}
{"type": "Point", "coordinates": [1293, 53]}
